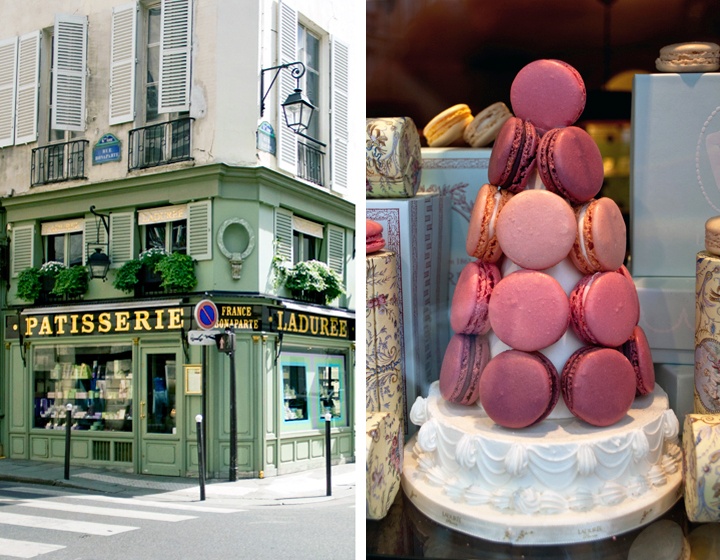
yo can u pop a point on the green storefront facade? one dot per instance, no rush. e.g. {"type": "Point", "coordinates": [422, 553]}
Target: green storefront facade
{"type": "Point", "coordinates": [133, 369]}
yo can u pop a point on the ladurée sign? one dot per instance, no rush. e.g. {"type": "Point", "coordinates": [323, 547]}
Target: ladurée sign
{"type": "Point", "coordinates": [164, 319]}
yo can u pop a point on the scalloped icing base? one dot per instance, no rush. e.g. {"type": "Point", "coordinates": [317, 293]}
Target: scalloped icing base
{"type": "Point", "coordinates": [489, 523]}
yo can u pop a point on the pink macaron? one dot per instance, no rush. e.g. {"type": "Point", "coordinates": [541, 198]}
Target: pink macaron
{"type": "Point", "coordinates": [513, 155]}
{"type": "Point", "coordinates": [604, 309]}
{"type": "Point", "coordinates": [548, 93]}
{"type": "Point", "coordinates": [529, 310]}
{"type": "Point", "coordinates": [465, 359]}
{"type": "Point", "coordinates": [373, 237]}
{"type": "Point", "coordinates": [536, 229]}
{"type": "Point", "coordinates": [482, 242]}
{"type": "Point", "coordinates": [598, 385]}
{"type": "Point", "coordinates": [570, 164]}
{"type": "Point", "coordinates": [601, 238]}
{"type": "Point", "coordinates": [519, 389]}
{"type": "Point", "coordinates": [637, 350]}
{"type": "Point", "coordinates": [471, 299]}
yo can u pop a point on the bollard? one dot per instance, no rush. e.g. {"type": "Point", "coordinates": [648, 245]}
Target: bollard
{"type": "Point", "coordinates": [328, 458]}
{"type": "Point", "coordinates": [68, 427]}
{"type": "Point", "coordinates": [201, 455]}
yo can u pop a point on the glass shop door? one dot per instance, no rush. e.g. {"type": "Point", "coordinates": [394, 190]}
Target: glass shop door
{"type": "Point", "coordinates": [160, 387]}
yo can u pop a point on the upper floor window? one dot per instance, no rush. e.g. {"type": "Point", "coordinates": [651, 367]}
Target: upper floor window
{"type": "Point", "coordinates": [164, 228]}
{"type": "Point", "coordinates": [63, 241]}
{"type": "Point", "coordinates": [309, 55]}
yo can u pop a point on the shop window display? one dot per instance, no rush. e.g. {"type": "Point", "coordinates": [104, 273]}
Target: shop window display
{"type": "Point", "coordinates": [162, 384]}
{"type": "Point", "coordinates": [96, 380]}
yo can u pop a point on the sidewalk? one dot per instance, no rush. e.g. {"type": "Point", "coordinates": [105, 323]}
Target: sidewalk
{"type": "Point", "coordinates": [295, 488]}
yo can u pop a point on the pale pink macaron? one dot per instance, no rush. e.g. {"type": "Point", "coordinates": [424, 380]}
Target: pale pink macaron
{"type": "Point", "coordinates": [471, 298]}
{"type": "Point", "coordinates": [601, 239]}
{"type": "Point", "coordinates": [536, 229]}
{"type": "Point", "coordinates": [529, 310]}
{"type": "Point", "coordinates": [482, 242]}
{"type": "Point", "coordinates": [604, 309]}
{"type": "Point", "coordinates": [465, 359]}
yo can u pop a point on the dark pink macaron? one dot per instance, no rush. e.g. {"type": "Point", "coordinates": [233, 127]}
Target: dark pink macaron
{"type": "Point", "coordinates": [598, 385]}
{"type": "Point", "coordinates": [482, 242]}
{"type": "Point", "coordinates": [536, 229]}
{"type": "Point", "coordinates": [637, 351]}
{"type": "Point", "coordinates": [570, 164]}
{"type": "Point", "coordinates": [529, 310]}
{"type": "Point", "coordinates": [465, 359]}
{"type": "Point", "coordinates": [601, 238]}
{"type": "Point", "coordinates": [548, 93]}
{"type": "Point", "coordinates": [513, 155]}
{"type": "Point", "coordinates": [471, 299]}
{"type": "Point", "coordinates": [604, 309]}
{"type": "Point", "coordinates": [519, 389]}
{"type": "Point", "coordinates": [373, 237]}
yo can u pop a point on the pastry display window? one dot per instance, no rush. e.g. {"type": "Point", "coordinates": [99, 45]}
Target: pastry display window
{"type": "Point", "coordinates": [96, 380]}
{"type": "Point", "coordinates": [312, 386]}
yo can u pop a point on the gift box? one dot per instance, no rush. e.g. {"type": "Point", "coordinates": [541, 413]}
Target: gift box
{"type": "Point", "coordinates": [383, 462]}
{"type": "Point", "coordinates": [384, 383]}
{"type": "Point", "coordinates": [701, 441]}
{"type": "Point", "coordinates": [392, 158]}
{"type": "Point", "coordinates": [675, 179]}
{"type": "Point", "coordinates": [416, 229]}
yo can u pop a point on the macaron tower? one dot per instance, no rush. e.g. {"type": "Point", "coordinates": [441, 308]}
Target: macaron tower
{"type": "Point", "coordinates": [546, 425]}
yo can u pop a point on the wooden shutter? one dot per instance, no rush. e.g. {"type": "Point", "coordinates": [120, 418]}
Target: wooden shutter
{"type": "Point", "coordinates": [285, 85]}
{"type": "Point", "coordinates": [22, 246]}
{"type": "Point", "coordinates": [339, 88]}
{"type": "Point", "coordinates": [284, 234]}
{"type": "Point", "coordinates": [122, 238]}
{"type": "Point", "coordinates": [28, 81]}
{"type": "Point", "coordinates": [122, 63]}
{"type": "Point", "coordinates": [175, 52]}
{"type": "Point", "coordinates": [336, 249]}
{"type": "Point", "coordinates": [199, 230]}
{"type": "Point", "coordinates": [8, 73]}
{"type": "Point", "coordinates": [69, 72]}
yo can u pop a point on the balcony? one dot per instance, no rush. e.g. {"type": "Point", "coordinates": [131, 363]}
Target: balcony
{"type": "Point", "coordinates": [311, 163]}
{"type": "Point", "coordinates": [58, 162]}
{"type": "Point", "coordinates": [160, 144]}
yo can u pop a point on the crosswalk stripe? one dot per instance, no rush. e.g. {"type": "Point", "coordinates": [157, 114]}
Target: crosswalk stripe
{"type": "Point", "coordinates": [25, 549]}
{"type": "Point", "coordinates": [56, 524]}
{"type": "Point", "coordinates": [111, 512]}
{"type": "Point", "coordinates": [157, 504]}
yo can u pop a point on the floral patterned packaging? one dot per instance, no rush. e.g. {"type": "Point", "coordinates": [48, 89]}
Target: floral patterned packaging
{"type": "Point", "coordinates": [707, 334]}
{"type": "Point", "coordinates": [383, 464]}
{"type": "Point", "coordinates": [701, 444]}
{"type": "Point", "coordinates": [392, 158]}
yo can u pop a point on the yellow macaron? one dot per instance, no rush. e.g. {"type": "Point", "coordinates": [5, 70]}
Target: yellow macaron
{"type": "Point", "coordinates": [448, 126]}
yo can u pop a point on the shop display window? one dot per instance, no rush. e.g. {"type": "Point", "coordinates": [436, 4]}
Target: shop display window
{"type": "Point", "coordinates": [96, 380]}
{"type": "Point", "coordinates": [312, 386]}
{"type": "Point", "coordinates": [161, 388]}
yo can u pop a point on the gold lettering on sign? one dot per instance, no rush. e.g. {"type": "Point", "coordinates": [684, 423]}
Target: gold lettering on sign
{"type": "Point", "coordinates": [141, 321]}
{"type": "Point", "coordinates": [301, 323]}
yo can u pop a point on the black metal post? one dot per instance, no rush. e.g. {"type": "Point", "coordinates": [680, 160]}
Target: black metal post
{"type": "Point", "coordinates": [233, 418]}
{"type": "Point", "coordinates": [328, 458]}
{"type": "Point", "coordinates": [68, 427]}
{"type": "Point", "coordinates": [201, 454]}
{"type": "Point", "coordinates": [204, 382]}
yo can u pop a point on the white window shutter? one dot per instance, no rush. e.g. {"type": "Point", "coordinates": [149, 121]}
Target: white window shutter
{"type": "Point", "coordinates": [285, 85]}
{"type": "Point", "coordinates": [199, 230]}
{"type": "Point", "coordinates": [28, 82]}
{"type": "Point", "coordinates": [339, 89]}
{"type": "Point", "coordinates": [8, 72]}
{"type": "Point", "coordinates": [122, 238]}
{"type": "Point", "coordinates": [336, 249]}
{"type": "Point", "coordinates": [69, 72]}
{"type": "Point", "coordinates": [122, 63]}
{"type": "Point", "coordinates": [23, 246]}
{"type": "Point", "coordinates": [175, 53]}
{"type": "Point", "coordinates": [284, 234]}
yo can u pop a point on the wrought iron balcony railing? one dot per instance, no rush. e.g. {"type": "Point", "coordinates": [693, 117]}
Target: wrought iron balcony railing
{"type": "Point", "coordinates": [160, 144]}
{"type": "Point", "coordinates": [58, 162]}
{"type": "Point", "coordinates": [311, 164]}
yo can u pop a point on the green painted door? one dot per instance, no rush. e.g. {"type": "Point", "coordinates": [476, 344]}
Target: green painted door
{"type": "Point", "coordinates": [160, 388]}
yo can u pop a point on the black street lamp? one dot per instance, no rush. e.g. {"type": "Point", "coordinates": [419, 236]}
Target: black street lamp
{"type": "Point", "coordinates": [99, 263]}
{"type": "Point", "coordinates": [297, 107]}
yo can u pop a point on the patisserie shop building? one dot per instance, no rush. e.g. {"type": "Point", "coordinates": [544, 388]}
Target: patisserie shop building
{"type": "Point", "coordinates": [160, 170]}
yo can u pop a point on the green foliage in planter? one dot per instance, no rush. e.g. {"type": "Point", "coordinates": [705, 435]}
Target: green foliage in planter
{"type": "Point", "coordinates": [71, 282]}
{"type": "Point", "coordinates": [308, 276]}
{"type": "Point", "coordinates": [28, 284]}
{"type": "Point", "coordinates": [178, 272]}
{"type": "Point", "coordinates": [126, 277]}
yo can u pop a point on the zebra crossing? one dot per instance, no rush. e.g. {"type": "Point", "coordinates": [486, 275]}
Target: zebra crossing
{"type": "Point", "coordinates": [32, 508]}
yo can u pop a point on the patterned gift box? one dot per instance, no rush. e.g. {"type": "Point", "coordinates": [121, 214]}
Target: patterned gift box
{"type": "Point", "coordinates": [384, 383]}
{"type": "Point", "coordinates": [701, 444]}
{"type": "Point", "coordinates": [392, 158]}
{"type": "Point", "coordinates": [383, 464]}
{"type": "Point", "coordinates": [416, 229]}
